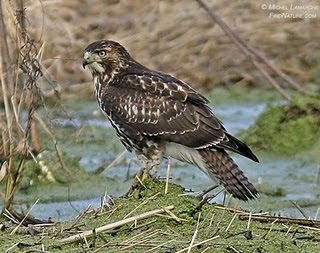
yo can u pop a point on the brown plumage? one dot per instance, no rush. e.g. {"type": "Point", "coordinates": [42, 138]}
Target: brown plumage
{"type": "Point", "coordinates": [158, 115]}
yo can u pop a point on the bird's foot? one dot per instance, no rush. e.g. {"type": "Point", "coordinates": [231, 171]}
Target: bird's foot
{"type": "Point", "coordinates": [137, 183]}
{"type": "Point", "coordinates": [205, 192]}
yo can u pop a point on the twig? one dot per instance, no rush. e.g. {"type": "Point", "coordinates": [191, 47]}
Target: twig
{"type": "Point", "coordinates": [167, 176]}
{"type": "Point", "coordinates": [44, 225]}
{"type": "Point", "coordinates": [3, 170]}
{"type": "Point", "coordinates": [317, 180]}
{"type": "Point", "coordinates": [93, 244]}
{"type": "Point", "coordinates": [115, 225]}
{"type": "Point", "coordinates": [211, 220]}
{"type": "Point", "coordinates": [288, 230]}
{"type": "Point", "coordinates": [16, 228]}
{"type": "Point", "coordinates": [139, 235]}
{"type": "Point", "coordinates": [284, 230]}
{"type": "Point", "coordinates": [140, 181]}
{"type": "Point", "coordinates": [253, 52]}
{"type": "Point", "coordinates": [237, 233]}
{"type": "Point", "coordinates": [271, 80]}
{"type": "Point", "coordinates": [79, 216]}
{"type": "Point", "coordinates": [176, 218]}
{"type": "Point", "coordinates": [207, 191]}
{"type": "Point", "coordinates": [85, 239]}
{"type": "Point", "coordinates": [143, 203]}
{"type": "Point", "coordinates": [145, 239]}
{"type": "Point", "coordinates": [234, 216]}
{"type": "Point", "coordinates": [12, 247]}
{"type": "Point", "coordinates": [269, 231]}
{"type": "Point", "coordinates": [56, 146]}
{"type": "Point", "coordinates": [7, 214]}
{"type": "Point", "coordinates": [249, 221]}
{"type": "Point", "coordinates": [316, 215]}
{"type": "Point", "coordinates": [200, 243]}
{"type": "Point", "coordinates": [122, 245]}
{"type": "Point", "coordinates": [265, 218]}
{"type": "Point", "coordinates": [159, 246]}
{"type": "Point", "coordinates": [135, 244]}
{"type": "Point", "coordinates": [118, 159]}
{"type": "Point", "coordinates": [223, 213]}
{"type": "Point", "coordinates": [233, 249]}
{"type": "Point", "coordinates": [205, 200]}
{"type": "Point", "coordinates": [300, 210]}
{"type": "Point", "coordinates": [69, 201]}
{"type": "Point", "coordinates": [194, 234]}
{"type": "Point", "coordinates": [234, 210]}
{"type": "Point", "coordinates": [310, 228]}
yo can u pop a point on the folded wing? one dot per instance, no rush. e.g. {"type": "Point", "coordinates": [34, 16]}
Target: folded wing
{"type": "Point", "coordinates": [160, 106]}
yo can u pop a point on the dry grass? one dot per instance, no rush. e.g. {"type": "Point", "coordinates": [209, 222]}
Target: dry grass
{"type": "Point", "coordinates": [173, 36]}
{"type": "Point", "coordinates": [20, 69]}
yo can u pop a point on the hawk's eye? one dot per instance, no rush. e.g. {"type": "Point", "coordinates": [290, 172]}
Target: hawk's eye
{"type": "Point", "coordinates": [102, 53]}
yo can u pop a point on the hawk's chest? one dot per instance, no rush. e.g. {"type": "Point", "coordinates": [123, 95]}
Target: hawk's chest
{"type": "Point", "coordinates": [98, 89]}
{"type": "Point", "coordinates": [103, 94]}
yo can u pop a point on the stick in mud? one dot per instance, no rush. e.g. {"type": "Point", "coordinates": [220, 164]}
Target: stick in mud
{"type": "Point", "coordinates": [115, 224]}
{"type": "Point", "coordinates": [266, 218]}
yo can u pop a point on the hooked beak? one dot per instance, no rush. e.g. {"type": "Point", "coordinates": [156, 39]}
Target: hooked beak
{"type": "Point", "coordinates": [86, 59]}
{"type": "Point", "coordinates": [84, 63]}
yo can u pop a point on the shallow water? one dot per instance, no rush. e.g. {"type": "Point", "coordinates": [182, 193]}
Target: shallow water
{"type": "Point", "coordinates": [293, 176]}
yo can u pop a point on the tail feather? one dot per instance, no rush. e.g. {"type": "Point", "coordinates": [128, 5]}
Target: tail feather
{"type": "Point", "coordinates": [220, 166]}
{"type": "Point", "coordinates": [232, 143]}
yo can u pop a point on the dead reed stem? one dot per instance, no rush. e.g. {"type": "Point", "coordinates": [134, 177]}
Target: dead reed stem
{"type": "Point", "coordinates": [120, 157]}
{"type": "Point", "coordinates": [200, 243]}
{"type": "Point", "coordinates": [300, 210]}
{"type": "Point", "coordinates": [317, 180]}
{"type": "Point", "coordinates": [6, 82]}
{"type": "Point", "coordinates": [167, 176]}
{"type": "Point", "coordinates": [194, 234]}
{"type": "Point", "coordinates": [15, 138]}
{"type": "Point", "coordinates": [55, 142]}
{"type": "Point", "coordinates": [266, 218]}
{"type": "Point", "coordinates": [17, 227]}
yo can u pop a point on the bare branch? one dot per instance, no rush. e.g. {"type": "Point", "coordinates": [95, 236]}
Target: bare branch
{"type": "Point", "coordinates": [254, 55]}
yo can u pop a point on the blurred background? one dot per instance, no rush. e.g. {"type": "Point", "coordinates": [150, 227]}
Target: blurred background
{"type": "Point", "coordinates": [77, 157]}
{"type": "Point", "coordinates": [176, 37]}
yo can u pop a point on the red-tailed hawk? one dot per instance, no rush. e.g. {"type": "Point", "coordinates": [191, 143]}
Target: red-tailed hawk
{"type": "Point", "coordinates": [157, 115]}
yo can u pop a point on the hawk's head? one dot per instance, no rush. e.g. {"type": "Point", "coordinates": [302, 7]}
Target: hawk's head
{"type": "Point", "coordinates": [105, 56]}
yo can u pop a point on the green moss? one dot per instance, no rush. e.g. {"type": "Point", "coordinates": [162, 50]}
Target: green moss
{"type": "Point", "coordinates": [157, 230]}
{"type": "Point", "coordinates": [54, 183]}
{"type": "Point", "coordinates": [286, 129]}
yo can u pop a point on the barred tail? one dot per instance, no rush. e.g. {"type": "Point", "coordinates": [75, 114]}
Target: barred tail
{"type": "Point", "coordinates": [219, 165]}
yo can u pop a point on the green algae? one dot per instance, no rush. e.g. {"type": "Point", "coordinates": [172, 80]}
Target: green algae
{"type": "Point", "coordinates": [50, 181]}
{"type": "Point", "coordinates": [213, 221]}
{"type": "Point", "coordinates": [286, 129]}
{"type": "Point", "coordinates": [74, 184]}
